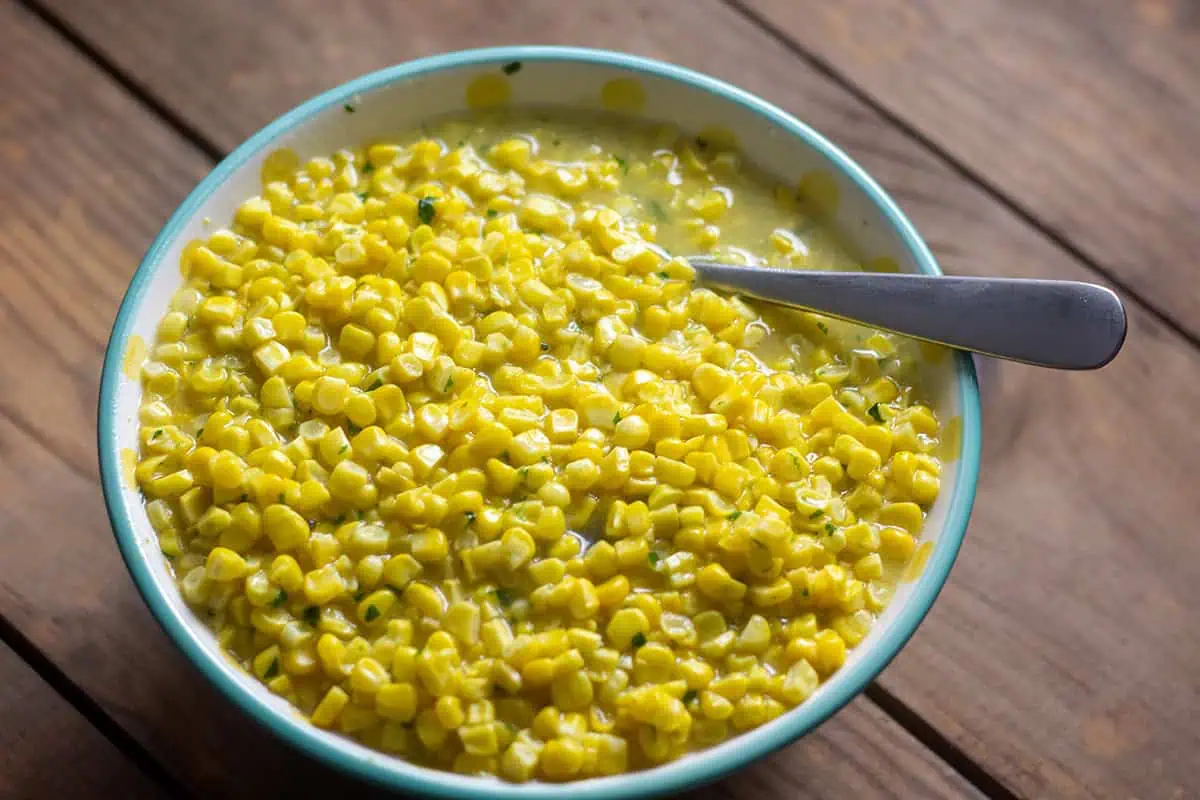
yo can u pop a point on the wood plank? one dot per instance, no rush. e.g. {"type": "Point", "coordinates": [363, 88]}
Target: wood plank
{"type": "Point", "coordinates": [98, 175]}
{"type": "Point", "coordinates": [1086, 114]}
{"type": "Point", "coordinates": [42, 734]}
{"type": "Point", "coordinates": [1061, 656]}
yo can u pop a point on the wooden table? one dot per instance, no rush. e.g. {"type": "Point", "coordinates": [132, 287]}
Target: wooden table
{"type": "Point", "coordinates": [1047, 138]}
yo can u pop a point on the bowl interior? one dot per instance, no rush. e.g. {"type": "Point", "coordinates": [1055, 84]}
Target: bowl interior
{"type": "Point", "coordinates": [398, 100]}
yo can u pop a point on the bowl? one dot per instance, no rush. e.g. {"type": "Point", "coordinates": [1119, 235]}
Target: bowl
{"type": "Point", "coordinates": [400, 98]}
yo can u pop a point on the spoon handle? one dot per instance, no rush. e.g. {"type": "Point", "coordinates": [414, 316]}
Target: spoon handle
{"type": "Point", "coordinates": [1061, 324]}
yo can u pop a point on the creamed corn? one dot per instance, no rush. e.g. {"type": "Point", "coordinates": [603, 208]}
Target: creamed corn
{"type": "Point", "coordinates": [453, 455]}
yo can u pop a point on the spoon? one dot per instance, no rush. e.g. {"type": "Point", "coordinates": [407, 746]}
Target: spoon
{"type": "Point", "coordinates": [1059, 324]}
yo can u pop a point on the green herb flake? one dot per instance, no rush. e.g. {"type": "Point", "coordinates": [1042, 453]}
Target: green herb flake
{"type": "Point", "coordinates": [816, 514]}
{"type": "Point", "coordinates": [376, 384]}
{"type": "Point", "coordinates": [657, 210]}
{"type": "Point", "coordinates": [822, 327]}
{"type": "Point", "coordinates": [734, 516]}
{"type": "Point", "coordinates": [362, 196]}
{"type": "Point", "coordinates": [349, 109]}
{"type": "Point", "coordinates": [281, 499]}
{"type": "Point", "coordinates": [449, 384]}
{"type": "Point", "coordinates": [354, 429]}
{"type": "Point", "coordinates": [830, 528]}
{"type": "Point", "coordinates": [492, 213]}
{"type": "Point", "coordinates": [312, 615]}
{"type": "Point", "coordinates": [272, 670]}
{"type": "Point", "coordinates": [616, 417]}
{"type": "Point", "coordinates": [545, 347]}
{"type": "Point", "coordinates": [368, 168]}
{"type": "Point", "coordinates": [504, 597]}
{"type": "Point", "coordinates": [199, 433]}
{"type": "Point", "coordinates": [689, 697]}
{"type": "Point", "coordinates": [156, 434]}
{"type": "Point", "coordinates": [664, 276]}
{"type": "Point", "coordinates": [359, 595]}
{"type": "Point", "coordinates": [653, 558]}
{"type": "Point", "coordinates": [461, 144]}
{"type": "Point", "coordinates": [639, 639]}
{"type": "Point", "coordinates": [371, 614]}
{"type": "Point", "coordinates": [470, 517]}
{"type": "Point", "coordinates": [426, 210]}
{"type": "Point", "coordinates": [511, 68]}
{"type": "Point", "coordinates": [345, 447]}
{"type": "Point", "coordinates": [280, 599]}
{"type": "Point", "coordinates": [873, 413]}
{"type": "Point", "coordinates": [504, 457]}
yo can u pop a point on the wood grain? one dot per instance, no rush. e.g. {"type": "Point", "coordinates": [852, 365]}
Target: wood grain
{"type": "Point", "coordinates": [1061, 655]}
{"type": "Point", "coordinates": [98, 176]}
{"type": "Point", "coordinates": [1084, 113]}
{"type": "Point", "coordinates": [47, 749]}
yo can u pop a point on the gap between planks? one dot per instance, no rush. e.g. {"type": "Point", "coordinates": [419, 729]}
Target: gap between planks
{"type": "Point", "coordinates": [889, 704]}
{"type": "Point", "coordinates": [963, 170]}
{"type": "Point", "coordinates": [90, 710]}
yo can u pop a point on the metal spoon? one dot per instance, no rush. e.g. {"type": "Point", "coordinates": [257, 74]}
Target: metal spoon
{"type": "Point", "coordinates": [1060, 324]}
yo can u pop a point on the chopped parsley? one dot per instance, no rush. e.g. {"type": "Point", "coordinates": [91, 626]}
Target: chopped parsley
{"type": "Point", "coordinates": [504, 597]}
{"type": "Point", "coordinates": [312, 615]}
{"type": "Point", "coordinates": [470, 517]}
{"type": "Point", "coordinates": [816, 514]}
{"type": "Point", "coordinates": [511, 68]}
{"type": "Point", "coordinates": [354, 429]}
{"type": "Point", "coordinates": [359, 595]}
{"type": "Point", "coordinates": [491, 213]}
{"type": "Point", "coordinates": [156, 434]}
{"type": "Point", "coordinates": [280, 599]}
{"type": "Point", "coordinates": [822, 327]}
{"type": "Point", "coordinates": [281, 500]}
{"type": "Point", "coordinates": [368, 168]}
{"type": "Point", "coordinates": [362, 196]}
{"type": "Point", "coordinates": [639, 639]}
{"type": "Point", "coordinates": [199, 433]}
{"type": "Point", "coordinates": [656, 208]}
{"type": "Point", "coordinates": [653, 558]}
{"type": "Point", "coordinates": [272, 670]}
{"type": "Point", "coordinates": [622, 164]}
{"type": "Point", "coordinates": [689, 697]}
{"type": "Point", "coordinates": [345, 447]}
{"type": "Point", "coordinates": [616, 417]}
{"type": "Point", "coordinates": [830, 528]}
{"type": "Point", "coordinates": [371, 614]}
{"type": "Point", "coordinates": [664, 276]}
{"type": "Point", "coordinates": [734, 515]}
{"type": "Point", "coordinates": [873, 413]}
{"type": "Point", "coordinates": [426, 210]}
{"type": "Point", "coordinates": [449, 384]}
{"type": "Point", "coordinates": [349, 109]}
{"type": "Point", "coordinates": [376, 384]}
{"type": "Point", "coordinates": [504, 457]}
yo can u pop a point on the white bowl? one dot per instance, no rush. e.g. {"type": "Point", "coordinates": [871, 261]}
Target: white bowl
{"type": "Point", "coordinates": [399, 99]}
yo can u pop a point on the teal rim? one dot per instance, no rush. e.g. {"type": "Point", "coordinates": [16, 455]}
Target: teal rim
{"type": "Point", "coordinates": [394, 773]}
